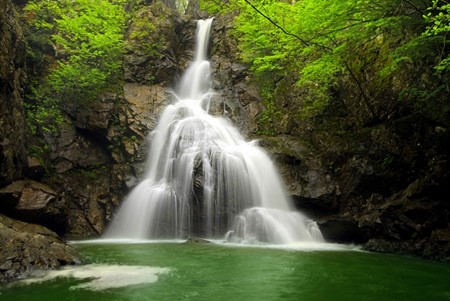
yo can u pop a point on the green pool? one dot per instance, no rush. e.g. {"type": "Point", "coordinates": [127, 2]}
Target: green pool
{"type": "Point", "coordinates": [178, 271]}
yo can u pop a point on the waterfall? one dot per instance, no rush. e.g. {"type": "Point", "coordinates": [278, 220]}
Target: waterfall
{"type": "Point", "coordinates": [203, 179]}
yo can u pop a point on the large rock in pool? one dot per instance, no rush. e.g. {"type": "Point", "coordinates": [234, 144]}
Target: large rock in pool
{"type": "Point", "coordinates": [26, 247]}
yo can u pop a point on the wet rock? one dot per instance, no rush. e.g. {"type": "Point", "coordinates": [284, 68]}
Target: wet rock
{"type": "Point", "coordinates": [89, 201]}
{"type": "Point", "coordinates": [303, 171]}
{"type": "Point", "coordinates": [342, 231]}
{"type": "Point", "coordinates": [196, 240]}
{"type": "Point", "coordinates": [96, 115]}
{"type": "Point", "coordinates": [438, 247]}
{"type": "Point", "coordinates": [71, 149]}
{"type": "Point", "coordinates": [34, 202]}
{"type": "Point", "coordinates": [396, 246]}
{"type": "Point", "coordinates": [12, 81]}
{"type": "Point", "coordinates": [10, 196]}
{"type": "Point", "coordinates": [155, 45]}
{"type": "Point", "coordinates": [235, 97]}
{"type": "Point", "coordinates": [26, 247]}
{"type": "Point", "coordinates": [411, 221]}
{"type": "Point", "coordinates": [35, 168]}
{"type": "Point", "coordinates": [144, 105]}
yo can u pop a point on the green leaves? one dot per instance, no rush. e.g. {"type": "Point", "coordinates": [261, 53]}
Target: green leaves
{"type": "Point", "coordinates": [85, 40]}
{"type": "Point", "coordinates": [320, 42]}
{"type": "Point", "coordinates": [88, 39]}
{"type": "Point", "coordinates": [90, 35]}
{"type": "Point", "coordinates": [438, 20]}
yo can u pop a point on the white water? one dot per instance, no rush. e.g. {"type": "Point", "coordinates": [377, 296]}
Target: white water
{"type": "Point", "coordinates": [101, 277]}
{"type": "Point", "coordinates": [203, 179]}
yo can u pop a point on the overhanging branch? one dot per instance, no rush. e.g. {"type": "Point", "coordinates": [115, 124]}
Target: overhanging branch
{"type": "Point", "coordinates": [304, 42]}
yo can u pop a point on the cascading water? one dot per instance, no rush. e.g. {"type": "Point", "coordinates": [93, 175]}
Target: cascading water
{"type": "Point", "coordinates": [203, 179]}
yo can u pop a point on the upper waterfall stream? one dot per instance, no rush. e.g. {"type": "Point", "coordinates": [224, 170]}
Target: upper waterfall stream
{"type": "Point", "coordinates": [203, 179]}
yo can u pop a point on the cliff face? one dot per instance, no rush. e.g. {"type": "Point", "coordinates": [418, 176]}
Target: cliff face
{"type": "Point", "coordinates": [24, 246]}
{"type": "Point", "coordinates": [360, 193]}
{"type": "Point", "coordinates": [12, 77]}
{"type": "Point", "coordinates": [377, 177]}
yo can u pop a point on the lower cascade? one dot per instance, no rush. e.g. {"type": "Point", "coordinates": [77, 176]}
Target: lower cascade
{"type": "Point", "coordinates": [203, 179]}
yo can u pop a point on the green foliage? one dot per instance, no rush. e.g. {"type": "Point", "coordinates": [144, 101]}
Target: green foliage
{"type": "Point", "coordinates": [321, 42]}
{"type": "Point", "coordinates": [215, 6]}
{"type": "Point", "coordinates": [76, 50]}
{"type": "Point", "coordinates": [143, 37]}
{"type": "Point", "coordinates": [45, 117]}
{"type": "Point", "coordinates": [317, 77]}
{"type": "Point", "coordinates": [38, 151]}
{"type": "Point", "coordinates": [88, 37]}
{"type": "Point", "coordinates": [269, 118]}
{"type": "Point", "coordinates": [388, 160]}
{"type": "Point", "coordinates": [438, 19]}
{"type": "Point", "coordinates": [43, 113]}
{"type": "Point", "coordinates": [432, 103]}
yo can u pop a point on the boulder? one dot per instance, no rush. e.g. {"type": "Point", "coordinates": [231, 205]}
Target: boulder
{"type": "Point", "coordinates": [34, 202]}
{"type": "Point", "coordinates": [95, 117]}
{"type": "Point", "coordinates": [89, 201]}
{"type": "Point", "coordinates": [26, 247]}
{"type": "Point", "coordinates": [196, 240]}
{"type": "Point", "coordinates": [438, 247]}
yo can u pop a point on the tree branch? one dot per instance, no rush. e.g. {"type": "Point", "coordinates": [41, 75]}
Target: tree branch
{"type": "Point", "coordinates": [303, 41]}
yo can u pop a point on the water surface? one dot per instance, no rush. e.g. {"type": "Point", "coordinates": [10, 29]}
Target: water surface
{"type": "Point", "coordinates": [178, 271]}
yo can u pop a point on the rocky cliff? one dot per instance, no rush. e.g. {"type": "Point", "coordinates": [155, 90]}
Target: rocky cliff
{"type": "Point", "coordinates": [12, 78]}
{"type": "Point", "coordinates": [25, 246]}
{"type": "Point", "coordinates": [376, 177]}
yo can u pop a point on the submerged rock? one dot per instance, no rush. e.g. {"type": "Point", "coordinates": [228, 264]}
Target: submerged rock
{"type": "Point", "coordinates": [196, 240]}
{"type": "Point", "coordinates": [26, 247]}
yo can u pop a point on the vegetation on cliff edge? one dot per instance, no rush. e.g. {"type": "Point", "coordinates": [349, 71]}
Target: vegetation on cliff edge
{"type": "Point", "coordinates": [393, 49]}
{"type": "Point", "coordinates": [75, 51]}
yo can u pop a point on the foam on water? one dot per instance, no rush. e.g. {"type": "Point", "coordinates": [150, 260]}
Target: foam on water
{"type": "Point", "coordinates": [101, 277]}
{"type": "Point", "coordinates": [301, 246]}
{"type": "Point", "coordinates": [127, 241]}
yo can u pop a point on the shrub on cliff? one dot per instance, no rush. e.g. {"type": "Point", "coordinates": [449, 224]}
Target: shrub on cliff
{"type": "Point", "coordinates": [78, 46]}
{"type": "Point", "coordinates": [376, 46]}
